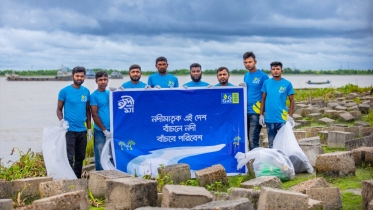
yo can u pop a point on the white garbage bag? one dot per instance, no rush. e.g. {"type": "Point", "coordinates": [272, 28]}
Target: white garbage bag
{"type": "Point", "coordinates": [286, 142]}
{"type": "Point", "coordinates": [55, 153]}
{"type": "Point", "coordinates": [106, 156]}
{"type": "Point", "coordinates": [268, 162]}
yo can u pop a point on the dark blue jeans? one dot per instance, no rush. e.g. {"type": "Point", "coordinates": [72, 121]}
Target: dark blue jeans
{"type": "Point", "coordinates": [99, 142]}
{"type": "Point", "coordinates": [253, 130]}
{"type": "Point", "coordinates": [76, 143]}
{"type": "Point", "coordinates": [272, 129]}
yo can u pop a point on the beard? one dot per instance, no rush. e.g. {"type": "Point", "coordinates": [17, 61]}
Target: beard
{"type": "Point", "coordinates": [135, 79]}
{"type": "Point", "coordinates": [196, 79]}
{"type": "Point", "coordinates": [162, 70]}
{"type": "Point", "coordinates": [223, 81]}
{"type": "Point", "coordinates": [78, 82]}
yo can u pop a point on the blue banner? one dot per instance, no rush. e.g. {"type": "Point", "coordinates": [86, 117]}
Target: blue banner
{"type": "Point", "coordinates": [197, 126]}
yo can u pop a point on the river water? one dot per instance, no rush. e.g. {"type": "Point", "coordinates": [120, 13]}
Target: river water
{"type": "Point", "coordinates": [27, 107]}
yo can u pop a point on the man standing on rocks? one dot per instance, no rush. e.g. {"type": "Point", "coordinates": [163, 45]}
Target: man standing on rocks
{"type": "Point", "coordinates": [275, 91]}
{"type": "Point", "coordinates": [162, 79]}
{"type": "Point", "coordinates": [254, 80]}
{"type": "Point", "coordinates": [73, 100]}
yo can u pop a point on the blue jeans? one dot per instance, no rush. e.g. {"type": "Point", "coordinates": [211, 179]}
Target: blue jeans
{"type": "Point", "coordinates": [99, 142]}
{"type": "Point", "coordinates": [253, 130]}
{"type": "Point", "coordinates": [272, 129]}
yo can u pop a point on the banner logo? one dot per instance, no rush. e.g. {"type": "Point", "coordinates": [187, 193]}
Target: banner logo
{"type": "Point", "coordinates": [127, 104]}
{"type": "Point", "coordinates": [230, 98]}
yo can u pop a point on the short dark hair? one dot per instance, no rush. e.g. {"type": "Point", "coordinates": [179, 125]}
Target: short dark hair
{"type": "Point", "coordinates": [248, 55]}
{"type": "Point", "coordinates": [101, 74]}
{"type": "Point", "coordinates": [78, 69]}
{"type": "Point", "coordinates": [135, 66]}
{"type": "Point", "coordinates": [160, 59]}
{"type": "Point", "coordinates": [222, 68]}
{"type": "Point", "coordinates": [276, 63]}
{"type": "Point", "coordinates": [195, 65]}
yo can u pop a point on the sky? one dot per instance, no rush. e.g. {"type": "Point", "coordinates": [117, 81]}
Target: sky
{"type": "Point", "coordinates": [113, 34]}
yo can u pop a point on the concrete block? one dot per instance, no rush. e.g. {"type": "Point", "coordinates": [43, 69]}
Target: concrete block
{"type": "Point", "coordinates": [311, 151]}
{"type": "Point", "coordinates": [364, 108]}
{"type": "Point", "coordinates": [362, 123]}
{"type": "Point", "coordinates": [31, 184]}
{"type": "Point", "coordinates": [6, 204]}
{"type": "Point", "coordinates": [314, 116]}
{"type": "Point", "coordinates": [251, 194]}
{"type": "Point", "coordinates": [304, 122]}
{"type": "Point", "coordinates": [332, 105]}
{"type": "Point", "coordinates": [330, 197]}
{"type": "Point", "coordinates": [359, 154]}
{"type": "Point", "coordinates": [346, 117]}
{"type": "Point", "coordinates": [6, 190]}
{"type": "Point", "coordinates": [318, 182]}
{"type": "Point", "coordinates": [263, 181]}
{"type": "Point", "coordinates": [350, 104]}
{"type": "Point", "coordinates": [357, 130]}
{"type": "Point", "coordinates": [313, 131]}
{"type": "Point", "coordinates": [310, 140]}
{"type": "Point", "coordinates": [369, 157]}
{"type": "Point", "coordinates": [366, 141]}
{"type": "Point", "coordinates": [297, 116]}
{"type": "Point", "coordinates": [299, 134]}
{"type": "Point", "coordinates": [315, 204]}
{"type": "Point", "coordinates": [70, 200]}
{"type": "Point", "coordinates": [88, 168]}
{"type": "Point", "coordinates": [366, 192]}
{"type": "Point", "coordinates": [56, 187]}
{"type": "Point", "coordinates": [212, 174]}
{"type": "Point", "coordinates": [178, 172]}
{"type": "Point", "coordinates": [240, 204]}
{"type": "Point", "coordinates": [326, 121]}
{"type": "Point", "coordinates": [323, 136]}
{"type": "Point", "coordinates": [367, 131]}
{"type": "Point", "coordinates": [179, 196]}
{"type": "Point", "coordinates": [305, 111]}
{"type": "Point", "coordinates": [271, 198]}
{"type": "Point", "coordinates": [335, 164]}
{"type": "Point", "coordinates": [337, 139]}
{"type": "Point", "coordinates": [221, 196]}
{"type": "Point", "coordinates": [159, 208]}
{"type": "Point", "coordinates": [97, 184]}
{"type": "Point", "coordinates": [340, 108]}
{"type": "Point", "coordinates": [330, 113]}
{"type": "Point", "coordinates": [130, 193]}
{"type": "Point", "coordinates": [370, 205]}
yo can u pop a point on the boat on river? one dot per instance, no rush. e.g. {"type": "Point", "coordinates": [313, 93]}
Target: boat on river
{"type": "Point", "coordinates": [318, 83]}
{"type": "Point", "coordinates": [63, 74]}
{"type": "Point", "coordinates": [90, 74]}
{"type": "Point", "coordinates": [116, 75]}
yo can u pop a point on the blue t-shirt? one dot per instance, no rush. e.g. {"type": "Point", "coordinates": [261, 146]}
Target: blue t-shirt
{"type": "Point", "coordinates": [229, 84]}
{"type": "Point", "coordinates": [74, 109]}
{"type": "Point", "coordinates": [101, 100]}
{"type": "Point", "coordinates": [129, 84]}
{"type": "Point", "coordinates": [254, 82]}
{"type": "Point", "coordinates": [164, 81]}
{"type": "Point", "coordinates": [275, 105]}
{"type": "Point", "coordinates": [196, 84]}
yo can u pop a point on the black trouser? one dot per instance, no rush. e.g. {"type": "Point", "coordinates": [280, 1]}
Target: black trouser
{"type": "Point", "coordinates": [76, 143]}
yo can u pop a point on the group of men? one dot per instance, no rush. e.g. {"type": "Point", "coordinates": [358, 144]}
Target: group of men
{"type": "Point", "coordinates": [76, 105]}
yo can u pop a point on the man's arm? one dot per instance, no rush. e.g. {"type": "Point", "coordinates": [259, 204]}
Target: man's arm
{"type": "Point", "coordinates": [291, 108]}
{"type": "Point", "coordinates": [59, 109]}
{"type": "Point", "coordinates": [88, 113]}
{"type": "Point", "coordinates": [96, 118]}
{"type": "Point", "coordinates": [262, 104]}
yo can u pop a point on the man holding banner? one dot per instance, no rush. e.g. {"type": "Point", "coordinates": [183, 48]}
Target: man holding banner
{"type": "Point", "coordinates": [162, 79]}
{"type": "Point", "coordinates": [223, 76]}
{"type": "Point", "coordinates": [196, 75]}
{"type": "Point", "coordinates": [135, 76]}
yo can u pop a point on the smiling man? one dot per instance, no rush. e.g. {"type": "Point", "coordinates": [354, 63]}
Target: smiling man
{"type": "Point", "coordinates": [135, 75]}
{"type": "Point", "coordinates": [162, 79]}
{"type": "Point", "coordinates": [196, 75]}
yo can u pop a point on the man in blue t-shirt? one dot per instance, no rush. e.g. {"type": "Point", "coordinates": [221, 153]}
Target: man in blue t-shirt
{"type": "Point", "coordinates": [254, 80]}
{"type": "Point", "coordinates": [101, 116]}
{"type": "Point", "coordinates": [223, 76]}
{"type": "Point", "coordinates": [73, 110]}
{"type": "Point", "coordinates": [275, 91]}
{"type": "Point", "coordinates": [135, 76]}
{"type": "Point", "coordinates": [196, 75]}
{"type": "Point", "coordinates": [162, 79]}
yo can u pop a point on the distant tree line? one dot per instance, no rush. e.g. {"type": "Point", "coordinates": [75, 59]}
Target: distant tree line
{"type": "Point", "coordinates": [206, 72]}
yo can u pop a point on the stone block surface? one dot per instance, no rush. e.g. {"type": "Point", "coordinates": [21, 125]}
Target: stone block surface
{"type": "Point", "coordinates": [326, 121]}
{"type": "Point", "coordinates": [313, 131]}
{"type": "Point", "coordinates": [364, 108]}
{"type": "Point", "coordinates": [251, 194]}
{"type": "Point", "coordinates": [366, 192]}
{"type": "Point", "coordinates": [366, 141]}
{"type": "Point", "coordinates": [310, 140]}
{"type": "Point", "coordinates": [304, 122]}
{"type": "Point", "coordinates": [130, 193]}
{"type": "Point", "coordinates": [271, 198]}
{"type": "Point", "coordinates": [359, 155]}
{"type": "Point", "coordinates": [31, 184]}
{"type": "Point", "coordinates": [315, 204]}
{"type": "Point", "coordinates": [6, 204]}
{"type": "Point", "coordinates": [323, 136]}
{"type": "Point", "coordinates": [299, 134]}
{"type": "Point", "coordinates": [314, 116]}
{"type": "Point", "coordinates": [97, 184]}
{"type": "Point", "coordinates": [356, 114]}
{"type": "Point", "coordinates": [319, 182]}
{"type": "Point", "coordinates": [178, 172]}
{"type": "Point", "coordinates": [56, 187]}
{"type": "Point", "coordinates": [330, 197]}
{"type": "Point", "coordinates": [311, 151]}
{"type": "Point", "coordinates": [335, 164]}
{"type": "Point", "coordinates": [212, 174]}
{"type": "Point", "coordinates": [346, 117]}
{"type": "Point", "coordinates": [6, 189]}
{"type": "Point", "coordinates": [337, 139]}
{"type": "Point", "coordinates": [340, 108]}
{"type": "Point", "coordinates": [179, 196]}
{"type": "Point", "coordinates": [240, 204]}
{"type": "Point", "coordinates": [263, 181]}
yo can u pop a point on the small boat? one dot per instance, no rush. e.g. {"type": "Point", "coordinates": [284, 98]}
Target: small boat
{"type": "Point", "coordinates": [116, 75]}
{"type": "Point", "coordinates": [318, 83]}
{"type": "Point", "coordinates": [90, 74]}
{"type": "Point", "coordinates": [63, 74]}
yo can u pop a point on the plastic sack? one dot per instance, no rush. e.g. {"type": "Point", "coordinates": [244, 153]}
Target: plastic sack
{"type": "Point", "coordinates": [268, 162]}
{"type": "Point", "coordinates": [286, 142]}
{"type": "Point", "coordinates": [106, 156]}
{"type": "Point", "coordinates": [55, 153]}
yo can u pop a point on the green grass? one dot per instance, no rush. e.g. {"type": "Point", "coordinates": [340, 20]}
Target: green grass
{"type": "Point", "coordinates": [299, 178]}
{"type": "Point", "coordinates": [350, 201]}
{"type": "Point", "coordinates": [351, 182]}
{"type": "Point", "coordinates": [329, 150]}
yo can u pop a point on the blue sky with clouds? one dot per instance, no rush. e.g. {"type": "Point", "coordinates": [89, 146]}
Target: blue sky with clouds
{"type": "Point", "coordinates": [113, 34]}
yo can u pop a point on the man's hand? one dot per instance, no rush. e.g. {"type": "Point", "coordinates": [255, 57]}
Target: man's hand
{"type": "Point", "coordinates": [185, 87]}
{"type": "Point", "coordinates": [261, 120]}
{"type": "Point", "coordinates": [243, 84]}
{"type": "Point", "coordinates": [107, 134]}
{"type": "Point", "coordinates": [89, 135]}
{"type": "Point", "coordinates": [64, 124]}
{"type": "Point", "coordinates": [210, 86]}
{"type": "Point", "coordinates": [147, 87]}
{"type": "Point", "coordinates": [291, 121]}
{"type": "Point", "coordinates": [112, 89]}
{"type": "Point", "coordinates": [157, 86]}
